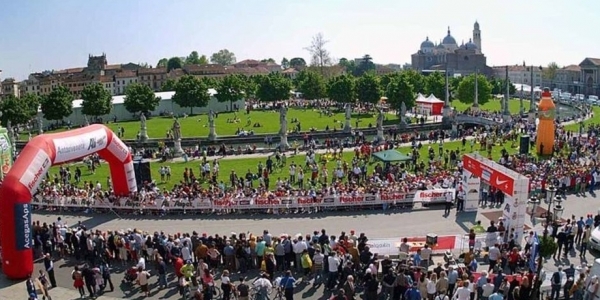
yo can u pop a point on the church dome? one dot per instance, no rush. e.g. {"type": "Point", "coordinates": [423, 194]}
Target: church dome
{"type": "Point", "coordinates": [427, 44]}
{"type": "Point", "coordinates": [470, 45]}
{"type": "Point", "coordinates": [449, 40]}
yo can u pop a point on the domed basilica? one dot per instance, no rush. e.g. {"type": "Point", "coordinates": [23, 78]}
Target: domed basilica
{"type": "Point", "coordinates": [448, 55]}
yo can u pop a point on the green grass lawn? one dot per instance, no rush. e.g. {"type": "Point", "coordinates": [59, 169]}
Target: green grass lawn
{"type": "Point", "coordinates": [494, 105]}
{"type": "Point", "coordinates": [197, 125]}
{"type": "Point", "coordinates": [241, 166]}
{"type": "Point", "coordinates": [595, 120]}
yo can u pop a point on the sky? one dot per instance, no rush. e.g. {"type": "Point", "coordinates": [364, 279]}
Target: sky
{"type": "Point", "coordinates": [59, 34]}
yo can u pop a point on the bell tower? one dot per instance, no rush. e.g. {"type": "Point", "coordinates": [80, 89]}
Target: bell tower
{"type": "Point", "coordinates": [477, 37]}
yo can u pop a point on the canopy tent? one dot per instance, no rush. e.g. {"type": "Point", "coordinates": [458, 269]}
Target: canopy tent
{"type": "Point", "coordinates": [429, 105]}
{"type": "Point", "coordinates": [526, 88]}
{"type": "Point", "coordinates": [391, 155]}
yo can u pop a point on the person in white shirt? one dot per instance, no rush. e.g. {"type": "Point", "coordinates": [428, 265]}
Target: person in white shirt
{"type": "Point", "coordinates": [334, 263]}
{"type": "Point", "coordinates": [487, 289]}
{"type": "Point", "coordinates": [263, 284]}
{"type": "Point", "coordinates": [493, 255]}
{"type": "Point", "coordinates": [462, 293]}
{"type": "Point", "coordinates": [299, 248]}
{"type": "Point", "coordinates": [425, 256]}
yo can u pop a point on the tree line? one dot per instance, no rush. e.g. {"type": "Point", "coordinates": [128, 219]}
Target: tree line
{"type": "Point", "coordinates": [193, 92]}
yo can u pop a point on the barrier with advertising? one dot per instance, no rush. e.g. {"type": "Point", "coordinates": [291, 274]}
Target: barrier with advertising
{"type": "Point", "coordinates": [471, 185]}
{"type": "Point", "coordinates": [6, 152]}
{"type": "Point", "coordinates": [333, 201]}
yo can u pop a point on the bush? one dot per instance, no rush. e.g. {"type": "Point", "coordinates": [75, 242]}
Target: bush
{"type": "Point", "coordinates": [547, 246]}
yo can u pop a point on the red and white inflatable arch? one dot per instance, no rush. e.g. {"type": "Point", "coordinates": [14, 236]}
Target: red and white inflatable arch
{"type": "Point", "coordinates": [24, 177]}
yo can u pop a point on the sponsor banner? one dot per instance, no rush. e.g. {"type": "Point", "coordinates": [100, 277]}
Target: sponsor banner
{"type": "Point", "coordinates": [118, 149]}
{"type": "Point", "coordinates": [39, 166]}
{"type": "Point", "coordinates": [433, 196]}
{"type": "Point", "coordinates": [489, 174]}
{"type": "Point", "coordinates": [384, 246]}
{"type": "Point", "coordinates": [130, 176]}
{"type": "Point", "coordinates": [471, 185]}
{"type": "Point", "coordinates": [74, 147]}
{"type": "Point", "coordinates": [23, 227]}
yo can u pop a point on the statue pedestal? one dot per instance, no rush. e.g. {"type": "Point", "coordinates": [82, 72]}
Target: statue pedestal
{"type": "Point", "coordinates": [506, 117]}
{"type": "Point", "coordinates": [283, 142]}
{"type": "Point", "coordinates": [380, 137]}
{"type": "Point", "coordinates": [143, 134]}
{"type": "Point", "coordinates": [177, 150]}
{"type": "Point", "coordinates": [347, 126]}
{"type": "Point", "coordinates": [531, 116]}
{"type": "Point", "coordinates": [454, 130]}
{"type": "Point", "coordinates": [212, 134]}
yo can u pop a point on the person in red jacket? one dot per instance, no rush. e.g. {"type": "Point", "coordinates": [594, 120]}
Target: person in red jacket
{"type": "Point", "coordinates": [178, 264]}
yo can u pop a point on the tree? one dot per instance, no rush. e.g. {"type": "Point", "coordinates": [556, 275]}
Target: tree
{"type": "Point", "coordinates": [174, 63]}
{"type": "Point", "coordinates": [297, 62]}
{"type": "Point", "coordinates": [230, 89]}
{"type": "Point", "coordinates": [416, 80]}
{"type": "Point", "coordinates": [97, 101]}
{"type": "Point", "coordinates": [311, 85]}
{"type": "Point", "coordinates": [268, 60]}
{"type": "Point", "coordinates": [169, 85]}
{"type": "Point", "coordinates": [140, 98]}
{"type": "Point", "coordinates": [400, 90]}
{"type": "Point", "coordinates": [385, 79]}
{"type": "Point", "coordinates": [144, 65]}
{"type": "Point", "coordinates": [435, 84]}
{"type": "Point", "coordinates": [193, 58]}
{"type": "Point", "coordinates": [251, 86]}
{"type": "Point", "coordinates": [273, 87]}
{"type": "Point", "coordinates": [18, 110]}
{"type": "Point", "coordinates": [319, 55]}
{"type": "Point", "coordinates": [341, 89]}
{"type": "Point", "coordinates": [466, 89]}
{"type": "Point", "coordinates": [162, 63]}
{"type": "Point", "coordinates": [203, 60]}
{"type": "Point", "coordinates": [499, 87]}
{"type": "Point", "coordinates": [549, 73]}
{"type": "Point", "coordinates": [58, 104]}
{"type": "Point", "coordinates": [368, 89]}
{"type": "Point", "coordinates": [223, 57]}
{"type": "Point", "coordinates": [366, 64]}
{"type": "Point", "coordinates": [349, 65]}
{"type": "Point", "coordinates": [285, 63]}
{"type": "Point", "coordinates": [191, 92]}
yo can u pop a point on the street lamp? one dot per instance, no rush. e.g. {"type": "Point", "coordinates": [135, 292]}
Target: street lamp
{"type": "Point", "coordinates": [550, 217]}
{"type": "Point", "coordinates": [532, 204]}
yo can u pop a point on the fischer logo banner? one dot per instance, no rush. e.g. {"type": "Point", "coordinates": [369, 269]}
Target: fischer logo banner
{"type": "Point", "coordinates": [36, 171]}
{"type": "Point", "coordinates": [437, 195]}
{"type": "Point", "coordinates": [70, 148]}
{"type": "Point", "coordinates": [24, 234]}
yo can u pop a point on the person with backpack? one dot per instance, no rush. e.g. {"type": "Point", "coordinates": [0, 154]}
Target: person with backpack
{"type": "Point", "coordinates": [441, 296]}
{"type": "Point", "coordinates": [556, 283]}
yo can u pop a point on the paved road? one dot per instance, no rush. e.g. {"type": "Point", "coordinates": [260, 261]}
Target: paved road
{"type": "Point", "coordinates": [376, 224]}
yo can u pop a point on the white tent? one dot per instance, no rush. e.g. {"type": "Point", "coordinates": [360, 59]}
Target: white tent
{"type": "Point", "coordinates": [526, 88]}
{"type": "Point", "coordinates": [433, 99]}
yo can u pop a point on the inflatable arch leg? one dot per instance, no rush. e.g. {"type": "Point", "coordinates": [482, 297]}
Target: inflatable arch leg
{"type": "Point", "coordinates": [23, 179]}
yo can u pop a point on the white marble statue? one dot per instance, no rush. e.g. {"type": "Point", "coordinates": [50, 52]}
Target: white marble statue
{"type": "Point", "coordinates": [176, 130]}
{"type": "Point", "coordinates": [142, 120]}
{"type": "Point", "coordinates": [283, 119]}
{"type": "Point", "coordinates": [348, 111]}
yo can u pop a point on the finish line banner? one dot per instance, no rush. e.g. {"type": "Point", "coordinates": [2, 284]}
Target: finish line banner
{"type": "Point", "coordinates": [334, 201]}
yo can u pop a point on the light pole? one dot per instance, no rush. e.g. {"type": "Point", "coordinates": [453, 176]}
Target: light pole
{"type": "Point", "coordinates": [550, 217]}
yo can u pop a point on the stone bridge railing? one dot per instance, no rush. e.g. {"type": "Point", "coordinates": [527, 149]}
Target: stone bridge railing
{"type": "Point", "coordinates": [479, 120]}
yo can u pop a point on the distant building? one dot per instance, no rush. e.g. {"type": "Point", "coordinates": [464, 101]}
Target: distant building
{"type": "Point", "coordinates": [10, 86]}
{"type": "Point", "coordinates": [567, 79]}
{"type": "Point", "coordinates": [251, 63]}
{"type": "Point", "coordinates": [520, 74]}
{"type": "Point", "coordinates": [152, 77]}
{"type": "Point", "coordinates": [464, 59]}
{"type": "Point", "coordinates": [123, 79]}
{"type": "Point", "coordinates": [290, 73]}
{"type": "Point", "coordinates": [590, 76]}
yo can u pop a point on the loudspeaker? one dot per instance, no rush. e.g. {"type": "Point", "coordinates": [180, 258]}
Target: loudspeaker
{"type": "Point", "coordinates": [142, 171]}
{"type": "Point", "coordinates": [524, 144]}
